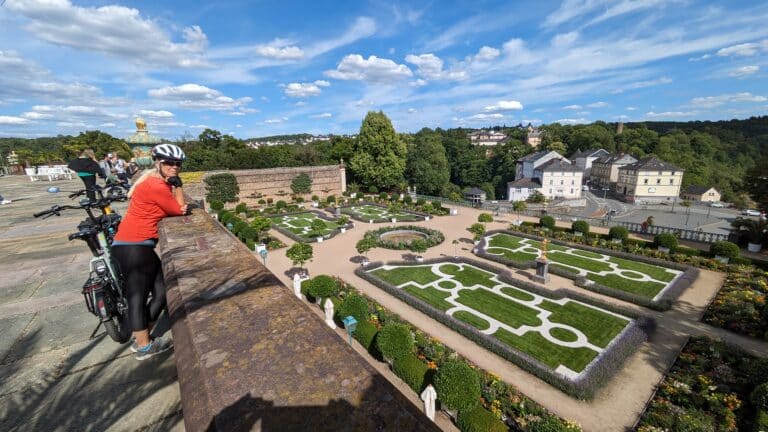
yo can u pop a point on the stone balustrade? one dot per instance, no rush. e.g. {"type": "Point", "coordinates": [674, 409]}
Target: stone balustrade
{"type": "Point", "coordinates": [251, 356]}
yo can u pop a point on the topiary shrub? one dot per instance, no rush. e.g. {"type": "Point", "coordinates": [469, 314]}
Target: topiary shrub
{"type": "Point", "coordinates": [437, 205]}
{"type": "Point", "coordinates": [411, 370]}
{"type": "Point", "coordinates": [547, 222]}
{"type": "Point", "coordinates": [373, 189]}
{"type": "Point", "coordinates": [618, 233]}
{"type": "Point", "coordinates": [408, 200]}
{"type": "Point", "coordinates": [666, 240]}
{"type": "Point", "coordinates": [250, 244]}
{"type": "Point", "coordinates": [479, 419]}
{"type": "Point", "coordinates": [383, 196]}
{"type": "Point", "coordinates": [216, 205]}
{"type": "Point", "coordinates": [241, 208]}
{"type": "Point", "coordinates": [323, 286]}
{"type": "Point", "coordinates": [485, 217]}
{"type": "Point", "coordinates": [331, 199]}
{"type": "Point", "coordinates": [356, 306]}
{"type": "Point", "coordinates": [395, 341]}
{"type": "Point", "coordinates": [759, 396]}
{"type": "Point", "coordinates": [580, 226]}
{"type": "Point", "coordinates": [725, 249]}
{"type": "Point", "coordinates": [457, 385]}
{"type": "Point", "coordinates": [262, 201]}
{"type": "Point", "coordinates": [365, 333]}
{"type": "Point", "coordinates": [420, 202]}
{"type": "Point", "coordinates": [221, 187]}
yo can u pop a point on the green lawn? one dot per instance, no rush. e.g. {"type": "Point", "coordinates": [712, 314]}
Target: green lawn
{"type": "Point", "coordinates": [656, 272]}
{"type": "Point", "coordinates": [599, 327]}
{"type": "Point", "coordinates": [587, 254]}
{"type": "Point", "coordinates": [563, 334]}
{"type": "Point", "coordinates": [551, 354]}
{"type": "Point", "coordinates": [297, 223]}
{"type": "Point", "coordinates": [504, 310]}
{"type": "Point", "coordinates": [430, 295]}
{"type": "Point", "coordinates": [379, 214]}
{"type": "Point", "coordinates": [472, 319]}
{"type": "Point", "coordinates": [514, 256]}
{"type": "Point", "coordinates": [505, 241]}
{"type": "Point", "coordinates": [470, 276]}
{"type": "Point", "coordinates": [517, 293]}
{"type": "Point", "coordinates": [401, 275]}
{"type": "Point", "coordinates": [578, 262]}
{"type": "Point", "coordinates": [646, 289]}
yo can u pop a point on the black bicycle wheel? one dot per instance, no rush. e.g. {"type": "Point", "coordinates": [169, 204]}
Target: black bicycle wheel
{"type": "Point", "coordinates": [118, 329]}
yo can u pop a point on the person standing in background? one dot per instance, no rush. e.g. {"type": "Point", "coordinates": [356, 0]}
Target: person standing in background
{"type": "Point", "coordinates": [87, 169]}
{"type": "Point", "coordinates": [106, 165]}
{"type": "Point", "coordinates": [118, 164]}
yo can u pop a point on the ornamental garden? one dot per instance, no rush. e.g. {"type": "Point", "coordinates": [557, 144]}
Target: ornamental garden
{"type": "Point", "coordinates": [308, 226]}
{"type": "Point", "coordinates": [646, 280]}
{"type": "Point", "coordinates": [376, 214]}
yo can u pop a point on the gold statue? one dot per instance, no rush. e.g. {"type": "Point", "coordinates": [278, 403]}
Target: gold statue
{"type": "Point", "coordinates": [544, 248]}
{"type": "Point", "coordinates": [141, 125]}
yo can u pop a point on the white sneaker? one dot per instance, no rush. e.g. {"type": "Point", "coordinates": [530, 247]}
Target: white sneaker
{"type": "Point", "coordinates": [4, 202]}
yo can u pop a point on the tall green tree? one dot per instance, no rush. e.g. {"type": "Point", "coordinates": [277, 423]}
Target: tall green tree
{"type": "Point", "coordinates": [380, 154]}
{"type": "Point", "coordinates": [427, 165]}
{"type": "Point", "coordinates": [756, 182]}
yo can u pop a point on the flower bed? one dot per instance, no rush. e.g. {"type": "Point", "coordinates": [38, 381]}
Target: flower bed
{"type": "Point", "coordinates": [740, 305]}
{"type": "Point", "coordinates": [431, 237]}
{"type": "Point", "coordinates": [498, 399]}
{"type": "Point", "coordinates": [367, 212]}
{"type": "Point", "coordinates": [709, 388]}
{"type": "Point", "coordinates": [583, 386]}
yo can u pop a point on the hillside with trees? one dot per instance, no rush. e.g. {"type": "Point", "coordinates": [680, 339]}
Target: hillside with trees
{"type": "Point", "coordinates": [728, 155]}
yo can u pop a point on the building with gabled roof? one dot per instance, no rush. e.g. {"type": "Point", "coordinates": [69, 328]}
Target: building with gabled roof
{"type": "Point", "coordinates": [605, 170]}
{"type": "Point", "coordinates": [584, 159]}
{"type": "Point", "coordinates": [526, 164]}
{"type": "Point", "coordinates": [701, 193]}
{"type": "Point", "coordinates": [487, 138]}
{"type": "Point", "coordinates": [533, 137]}
{"type": "Point", "coordinates": [649, 181]}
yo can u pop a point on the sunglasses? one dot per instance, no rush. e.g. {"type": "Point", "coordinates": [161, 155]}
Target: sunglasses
{"type": "Point", "coordinates": [176, 164]}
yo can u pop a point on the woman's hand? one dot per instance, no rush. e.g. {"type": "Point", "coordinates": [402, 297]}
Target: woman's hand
{"type": "Point", "coordinates": [174, 181]}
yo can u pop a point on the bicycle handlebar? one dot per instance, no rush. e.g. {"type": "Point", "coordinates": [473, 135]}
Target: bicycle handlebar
{"type": "Point", "coordinates": [56, 210]}
{"type": "Point", "coordinates": [100, 203]}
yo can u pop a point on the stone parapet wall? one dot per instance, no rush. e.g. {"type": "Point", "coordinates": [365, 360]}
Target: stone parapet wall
{"type": "Point", "coordinates": [251, 356]}
{"type": "Point", "coordinates": [275, 183]}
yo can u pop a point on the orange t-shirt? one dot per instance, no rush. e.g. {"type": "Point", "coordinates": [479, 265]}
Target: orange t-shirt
{"type": "Point", "coordinates": [151, 201]}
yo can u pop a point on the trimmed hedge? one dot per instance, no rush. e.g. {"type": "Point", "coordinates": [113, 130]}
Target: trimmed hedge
{"type": "Point", "coordinates": [221, 187]}
{"type": "Point", "coordinates": [363, 202]}
{"type": "Point", "coordinates": [433, 237]}
{"type": "Point", "coordinates": [365, 333]}
{"type": "Point", "coordinates": [725, 249]}
{"type": "Point", "coordinates": [580, 226]}
{"type": "Point", "coordinates": [666, 240]}
{"type": "Point", "coordinates": [395, 341]}
{"type": "Point", "coordinates": [356, 306]}
{"type": "Point", "coordinates": [411, 370]}
{"type": "Point", "coordinates": [457, 385]}
{"type": "Point", "coordinates": [759, 396]}
{"type": "Point", "coordinates": [547, 222]}
{"type": "Point", "coordinates": [295, 237]}
{"type": "Point", "coordinates": [663, 303]}
{"type": "Point", "coordinates": [618, 232]}
{"type": "Point", "coordinates": [322, 286]}
{"type": "Point", "coordinates": [485, 217]}
{"type": "Point", "coordinates": [591, 379]}
{"type": "Point", "coordinates": [479, 419]}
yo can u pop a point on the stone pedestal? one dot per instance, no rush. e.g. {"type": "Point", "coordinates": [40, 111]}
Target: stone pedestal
{"type": "Point", "coordinates": [542, 271]}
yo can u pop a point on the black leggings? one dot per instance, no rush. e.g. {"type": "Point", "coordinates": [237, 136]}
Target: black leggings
{"type": "Point", "coordinates": [142, 274]}
{"type": "Point", "coordinates": [90, 182]}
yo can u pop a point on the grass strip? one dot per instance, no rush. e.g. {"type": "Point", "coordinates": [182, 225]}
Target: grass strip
{"type": "Point", "coordinates": [551, 354]}
{"type": "Point", "coordinates": [563, 334]}
{"type": "Point", "coordinates": [599, 327]}
{"type": "Point", "coordinates": [656, 272]}
{"type": "Point", "coordinates": [518, 294]}
{"type": "Point", "coordinates": [582, 263]}
{"type": "Point", "coordinates": [647, 289]}
{"type": "Point", "coordinates": [504, 310]}
{"type": "Point", "coordinates": [430, 295]}
{"type": "Point", "coordinates": [400, 275]}
{"type": "Point", "coordinates": [472, 319]}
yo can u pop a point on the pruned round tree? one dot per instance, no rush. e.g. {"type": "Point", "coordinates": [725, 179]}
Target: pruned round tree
{"type": "Point", "coordinates": [379, 157]}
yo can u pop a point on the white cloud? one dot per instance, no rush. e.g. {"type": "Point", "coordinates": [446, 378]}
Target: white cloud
{"type": "Point", "coordinates": [572, 107]}
{"type": "Point", "coordinates": [744, 71]}
{"type": "Point", "coordinates": [571, 9]}
{"type": "Point", "coordinates": [373, 69]}
{"type": "Point", "coordinates": [412, 110]}
{"type": "Point", "coordinates": [670, 114]}
{"type": "Point", "coordinates": [564, 40]}
{"type": "Point", "coordinates": [642, 84]}
{"type": "Point", "coordinates": [418, 83]}
{"type": "Point", "coordinates": [32, 115]}
{"type": "Point", "coordinates": [502, 105]}
{"type": "Point", "coordinates": [199, 126]}
{"type": "Point", "coordinates": [12, 120]}
{"type": "Point", "coordinates": [430, 67]}
{"type": "Point", "coordinates": [237, 113]}
{"type": "Point", "coordinates": [321, 116]}
{"type": "Point", "coordinates": [715, 101]}
{"type": "Point", "coordinates": [599, 104]}
{"type": "Point", "coordinates": [196, 96]}
{"type": "Point", "coordinates": [631, 108]}
{"type": "Point", "coordinates": [276, 120]}
{"type": "Point", "coordinates": [108, 125]}
{"type": "Point", "coordinates": [113, 30]}
{"type": "Point", "coordinates": [572, 121]}
{"type": "Point", "coordinates": [300, 104]}
{"type": "Point", "coordinates": [23, 78]}
{"type": "Point", "coordinates": [280, 49]}
{"type": "Point", "coordinates": [742, 50]}
{"type": "Point", "coordinates": [301, 90]}
{"type": "Point", "coordinates": [161, 114]}
{"type": "Point", "coordinates": [483, 116]}
{"type": "Point", "coordinates": [486, 53]}
{"type": "Point", "coordinates": [322, 83]}
{"type": "Point", "coordinates": [363, 27]}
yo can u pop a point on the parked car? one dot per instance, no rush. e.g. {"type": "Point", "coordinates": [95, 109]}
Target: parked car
{"type": "Point", "coordinates": [750, 212]}
{"type": "Point", "coordinates": [585, 187]}
{"type": "Point", "coordinates": [717, 204]}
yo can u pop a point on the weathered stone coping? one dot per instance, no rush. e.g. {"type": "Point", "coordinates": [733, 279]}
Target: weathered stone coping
{"type": "Point", "coordinates": [251, 356]}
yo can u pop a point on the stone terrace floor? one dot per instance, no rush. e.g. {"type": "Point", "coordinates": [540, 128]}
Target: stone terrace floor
{"type": "Point", "coordinates": [52, 377]}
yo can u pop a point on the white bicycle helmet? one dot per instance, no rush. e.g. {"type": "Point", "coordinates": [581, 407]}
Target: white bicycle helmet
{"type": "Point", "coordinates": [168, 152]}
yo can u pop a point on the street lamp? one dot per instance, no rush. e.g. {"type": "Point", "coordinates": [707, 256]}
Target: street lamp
{"type": "Point", "coordinates": [263, 254]}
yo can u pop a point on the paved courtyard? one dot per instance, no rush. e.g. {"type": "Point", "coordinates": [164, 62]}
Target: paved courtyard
{"type": "Point", "coordinates": [52, 377]}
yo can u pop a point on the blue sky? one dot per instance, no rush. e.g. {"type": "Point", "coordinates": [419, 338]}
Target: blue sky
{"type": "Point", "coordinates": [256, 68]}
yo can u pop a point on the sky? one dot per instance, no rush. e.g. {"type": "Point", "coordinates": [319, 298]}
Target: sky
{"type": "Point", "coordinates": [259, 68]}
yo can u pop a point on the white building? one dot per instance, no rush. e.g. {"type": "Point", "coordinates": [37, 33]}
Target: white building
{"type": "Point", "coordinates": [559, 179]}
{"type": "Point", "coordinates": [533, 137]}
{"type": "Point", "coordinates": [649, 181]}
{"type": "Point", "coordinates": [521, 190]}
{"type": "Point", "coordinates": [526, 165]}
{"type": "Point", "coordinates": [583, 159]}
{"type": "Point", "coordinates": [487, 138]}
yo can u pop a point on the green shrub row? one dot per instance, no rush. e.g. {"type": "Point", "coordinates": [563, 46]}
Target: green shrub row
{"type": "Point", "coordinates": [433, 237]}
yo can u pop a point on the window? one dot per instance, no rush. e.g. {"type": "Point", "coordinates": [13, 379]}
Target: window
{"type": "Point", "coordinates": [672, 181]}
{"type": "Point", "coordinates": [658, 181]}
{"type": "Point", "coordinates": [573, 182]}
{"type": "Point", "coordinates": [561, 182]}
{"type": "Point", "coordinates": [550, 191]}
{"type": "Point", "coordinates": [571, 191]}
{"type": "Point", "coordinates": [645, 181]}
{"type": "Point", "coordinates": [519, 190]}
{"type": "Point", "coordinates": [551, 182]}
